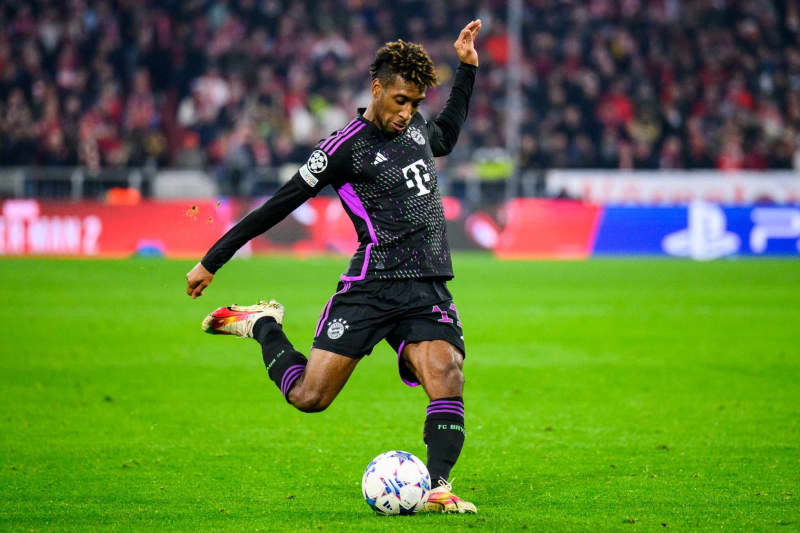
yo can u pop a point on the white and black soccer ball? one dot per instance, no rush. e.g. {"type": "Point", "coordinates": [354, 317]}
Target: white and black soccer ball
{"type": "Point", "coordinates": [396, 483]}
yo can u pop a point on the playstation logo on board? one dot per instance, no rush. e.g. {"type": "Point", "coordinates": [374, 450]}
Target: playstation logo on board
{"type": "Point", "coordinates": [706, 236]}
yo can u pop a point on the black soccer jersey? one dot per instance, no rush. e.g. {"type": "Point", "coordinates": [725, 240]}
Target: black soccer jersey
{"type": "Point", "coordinates": [387, 185]}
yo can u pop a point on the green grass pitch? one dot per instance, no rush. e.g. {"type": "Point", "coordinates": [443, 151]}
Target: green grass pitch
{"type": "Point", "coordinates": [622, 395]}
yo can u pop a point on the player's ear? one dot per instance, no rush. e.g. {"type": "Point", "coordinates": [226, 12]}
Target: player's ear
{"type": "Point", "coordinates": [377, 88]}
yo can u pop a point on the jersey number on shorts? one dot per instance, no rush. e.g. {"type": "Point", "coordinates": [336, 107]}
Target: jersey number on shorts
{"type": "Point", "coordinates": [445, 318]}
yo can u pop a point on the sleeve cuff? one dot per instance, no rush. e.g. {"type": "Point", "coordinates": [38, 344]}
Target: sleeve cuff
{"type": "Point", "coordinates": [207, 266]}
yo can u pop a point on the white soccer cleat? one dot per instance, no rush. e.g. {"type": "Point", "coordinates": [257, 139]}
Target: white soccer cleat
{"type": "Point", "coordinates": [442, 500]}
{"type": "Point", "coordinates": [239, 319]}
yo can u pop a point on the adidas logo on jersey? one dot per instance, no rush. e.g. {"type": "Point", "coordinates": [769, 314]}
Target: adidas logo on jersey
{"type": "Point", "coordinates": [379, 158]}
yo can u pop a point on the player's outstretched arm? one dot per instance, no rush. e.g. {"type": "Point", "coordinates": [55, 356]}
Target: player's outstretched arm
{"type": "Point", "coordinates": [444, 129]}
{"type": "Point", "coordinates": [287, 199]}
{"type": "Point", "coordinates": [321, 170]}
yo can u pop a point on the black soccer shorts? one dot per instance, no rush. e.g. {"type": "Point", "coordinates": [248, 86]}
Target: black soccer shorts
{"type": "Point", "coordinates": [403, 311]}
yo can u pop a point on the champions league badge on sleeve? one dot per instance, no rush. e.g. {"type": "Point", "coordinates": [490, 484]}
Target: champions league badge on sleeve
{"type": "Point", "coordinates": [317, 162]}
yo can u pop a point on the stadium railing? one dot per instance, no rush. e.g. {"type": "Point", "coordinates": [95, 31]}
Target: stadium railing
{"type": "Point", "coordinates": [79, 183]}
{"type": "Point", "coordinates": [596, 186]}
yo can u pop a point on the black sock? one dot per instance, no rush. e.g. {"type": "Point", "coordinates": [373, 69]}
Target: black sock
{"type": "Point", "coordinates": [444, 436]}
{"type": "Point", "coordinates": [284, 364]}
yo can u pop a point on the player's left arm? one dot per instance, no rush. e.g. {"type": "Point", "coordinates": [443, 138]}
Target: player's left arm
{"type": "Point", "coordinates": [286, 199]}
{"type": "Point", "coordinates": [444, 129]}
{"type": "Point", "coordinates": [323, 168]}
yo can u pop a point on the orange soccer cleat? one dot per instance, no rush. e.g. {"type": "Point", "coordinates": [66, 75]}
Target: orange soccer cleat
{"type": "Point", "coordinates": [239, 319]}
{"type": "Point", "coordinates": [442, 500]}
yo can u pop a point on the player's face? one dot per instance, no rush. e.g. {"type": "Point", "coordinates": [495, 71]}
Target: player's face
{"type": "Point", "coordinates": [395, 104]}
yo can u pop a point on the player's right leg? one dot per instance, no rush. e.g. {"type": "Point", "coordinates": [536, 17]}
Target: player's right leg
{"type": "Point", "coordinates": [431, 350]}
{"type": "Point", "coordinates": [321, 380]}
{"type": "Point", "coordinates": [437, 365]}
{"type": "Point", "coordinates": [308, 384]}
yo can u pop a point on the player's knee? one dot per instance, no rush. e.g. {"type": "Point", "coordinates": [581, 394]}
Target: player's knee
{"type": "Point", "coordinates": [309, 401]}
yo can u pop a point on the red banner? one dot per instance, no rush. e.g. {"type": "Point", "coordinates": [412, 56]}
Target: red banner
{"type": "Point", "coordinates": [533, 228]}
{"type": "Point", "coordinates": [175, 229]}
{"type": "Point", "coordinates": [547, 229]}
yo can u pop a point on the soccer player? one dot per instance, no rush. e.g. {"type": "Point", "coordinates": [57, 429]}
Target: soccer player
{"type": "Point", "coordinates": [381, 165]}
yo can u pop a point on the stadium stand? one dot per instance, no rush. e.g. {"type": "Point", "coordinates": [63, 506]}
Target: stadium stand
{"type": "Point", "coordinates": [233, 85]}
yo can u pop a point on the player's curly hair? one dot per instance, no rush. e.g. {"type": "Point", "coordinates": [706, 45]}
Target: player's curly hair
{"type": "Point", "coordinates": [409, 60]}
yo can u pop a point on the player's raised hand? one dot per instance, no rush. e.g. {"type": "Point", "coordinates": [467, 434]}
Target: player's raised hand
{"type": "Point", "coordinates": [465, 44]}
{"type": "Point", "coordinates": [198, 279]}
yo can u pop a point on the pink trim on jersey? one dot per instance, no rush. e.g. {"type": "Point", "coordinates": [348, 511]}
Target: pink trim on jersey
{"type": "Point", "coordinates": [343, 139]}
{"type": "Point", "coordinates": [330, 140]}
{"type": "Point", "coordinates": [349, 197]}
{"type": "Point", "coordinates": [363, 266]}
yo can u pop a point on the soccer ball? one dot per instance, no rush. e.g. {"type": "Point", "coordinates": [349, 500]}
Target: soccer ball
{"type": "Point", "coordinates": [396, 483]}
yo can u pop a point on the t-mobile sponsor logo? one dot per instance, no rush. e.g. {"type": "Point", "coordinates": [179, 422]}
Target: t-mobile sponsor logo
{"type": "Point", "coordinates": [416, 174]}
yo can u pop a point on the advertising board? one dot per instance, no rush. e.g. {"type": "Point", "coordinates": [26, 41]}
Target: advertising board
{"type": "Point", "coordinates": [524, 228]}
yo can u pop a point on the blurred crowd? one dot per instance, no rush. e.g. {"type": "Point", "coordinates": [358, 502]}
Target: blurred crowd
{"type": "Point", "coordinates": [236, 84]}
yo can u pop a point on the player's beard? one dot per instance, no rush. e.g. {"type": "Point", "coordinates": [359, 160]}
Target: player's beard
{"type": "Point", "coordinates": [386, 125]}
